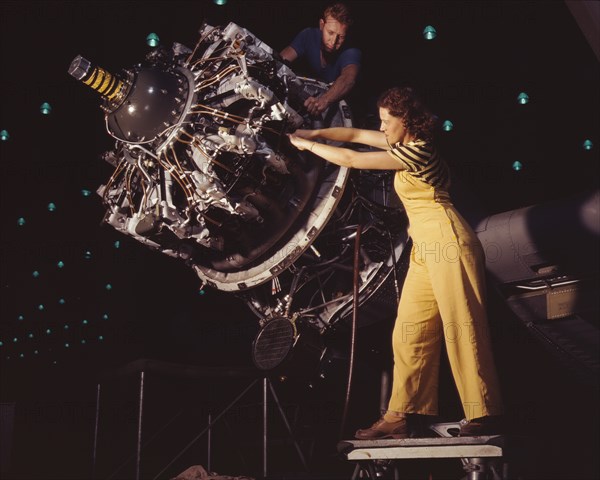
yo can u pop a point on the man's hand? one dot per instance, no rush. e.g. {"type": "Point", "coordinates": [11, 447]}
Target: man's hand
{"type": "Point", "coordinates": [316, 105]}
{"type": "Point", "coordinates": [338, 90]}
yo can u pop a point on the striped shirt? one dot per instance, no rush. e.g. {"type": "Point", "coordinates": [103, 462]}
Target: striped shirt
{"type": "Point", "coordinates": [423, 162]}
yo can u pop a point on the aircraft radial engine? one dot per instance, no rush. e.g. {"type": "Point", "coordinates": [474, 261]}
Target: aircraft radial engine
{"type": "Point", "coordinates": [204, 172]}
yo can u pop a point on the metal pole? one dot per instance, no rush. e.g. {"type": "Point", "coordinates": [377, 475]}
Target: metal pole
{"type": "Point", "coordinates": [144, 445]}
{"type": "Point", "coordinates": [95, 449]}
{"type": "Point", "coordinates": [194, 440]}
{"type": "Point", "coordinates": [476, 469]}
{"type": "Point", "coordinates": [139, 432]}
{"type": "Point", "coordinates": [384, 393]}
{"type": "Point", "coordinates": [287, 426]}
{"type": "Point", "coordinates": [209, 438]}
{"type": "Point", "coordinates": [265, 427]}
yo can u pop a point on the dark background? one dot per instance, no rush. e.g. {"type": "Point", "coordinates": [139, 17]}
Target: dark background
{"type": "Point", "coordinates": [485, 54]}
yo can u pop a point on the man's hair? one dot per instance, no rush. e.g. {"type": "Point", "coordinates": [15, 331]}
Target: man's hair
{"type": "Point", "coordinates": [339, 12]}
{"type": "Point", "coordinates": [403, 103]}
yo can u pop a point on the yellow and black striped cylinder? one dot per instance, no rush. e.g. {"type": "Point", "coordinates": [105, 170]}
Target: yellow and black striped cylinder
{"type": "Point", "coordinates": [105, 83]}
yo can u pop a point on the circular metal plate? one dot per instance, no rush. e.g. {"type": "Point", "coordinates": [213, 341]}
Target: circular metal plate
{"type": "Point", "coordinates": [273, 344]}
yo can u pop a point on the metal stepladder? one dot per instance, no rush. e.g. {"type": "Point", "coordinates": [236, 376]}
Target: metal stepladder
{"type": "Point", "coordinates": [481, 457]}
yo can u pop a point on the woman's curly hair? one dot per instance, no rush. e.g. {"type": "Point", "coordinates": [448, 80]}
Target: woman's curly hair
{"type": "Point", "coordinates": [402, 102]}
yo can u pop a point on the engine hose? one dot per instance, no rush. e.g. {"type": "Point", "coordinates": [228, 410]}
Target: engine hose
{"type": "Point", "coordinates": [354, 323]}
{"type": "Point", "coordinates": [393, 252]}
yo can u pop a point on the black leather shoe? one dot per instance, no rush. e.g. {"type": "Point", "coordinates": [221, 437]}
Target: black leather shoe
{"type": "Point", "coordinates": [491, 425]}
{"type": "Point", "coordinates": [382, 429]}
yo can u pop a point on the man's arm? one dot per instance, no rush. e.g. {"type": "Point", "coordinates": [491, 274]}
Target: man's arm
{"type": "Point", "coordinates": [289, 54]}
{"type": "Point", "coordinates": [342, 85]}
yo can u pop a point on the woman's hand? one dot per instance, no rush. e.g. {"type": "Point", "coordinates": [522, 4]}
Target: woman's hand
{"type": "Point", "coordinates": [309, 134]}
{"type": "Point", "coordinates": [299, 142]}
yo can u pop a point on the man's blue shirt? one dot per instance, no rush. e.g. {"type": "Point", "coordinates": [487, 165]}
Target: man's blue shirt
{"type": "Point", "coordinates": [308, 44]}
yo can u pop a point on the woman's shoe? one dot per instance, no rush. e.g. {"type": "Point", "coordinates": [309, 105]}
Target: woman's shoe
{"type": "Point", "coordinates": [491, 425]}
{"type": "Point", "coordinates": [383, 429]}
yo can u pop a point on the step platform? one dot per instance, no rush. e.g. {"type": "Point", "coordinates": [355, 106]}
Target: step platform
{"type": "Point", "coordinates": [482, 457]}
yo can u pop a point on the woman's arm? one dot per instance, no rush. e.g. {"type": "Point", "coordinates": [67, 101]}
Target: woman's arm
{"type": "Point", "coordinates": [346, 157]}
{"type": "Point", "coordinates": [344, 134]}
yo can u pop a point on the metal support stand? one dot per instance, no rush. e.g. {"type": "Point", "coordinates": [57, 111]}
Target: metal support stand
{"type": "Point", "coordinates": [265, 418]}
{"type": "Point", "coordinates": [139, 432]}
{"type": "Point", "coordinates": [266, 384]}
{"type": "Point", "coordinates": [266, 387]}
{"type": "Point", "coordinates": [95, 448]}
{"type": "Point", "coordinates": [209, 445]}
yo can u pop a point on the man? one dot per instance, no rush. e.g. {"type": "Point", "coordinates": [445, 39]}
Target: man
{"type": "Point", "coordinates": [322, 48]}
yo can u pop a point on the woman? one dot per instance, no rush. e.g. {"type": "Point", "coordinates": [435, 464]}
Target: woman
{"type": "Point", "coordinates": [444, 291]}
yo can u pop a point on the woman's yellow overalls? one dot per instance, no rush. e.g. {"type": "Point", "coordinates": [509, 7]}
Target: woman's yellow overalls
{"type": "Point", "coordinates": [443, 298]}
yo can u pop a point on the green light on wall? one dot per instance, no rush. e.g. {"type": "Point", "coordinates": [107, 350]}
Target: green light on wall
{"type": "Point", "coordinates": [152, 40]}
{"type": "Point", "coordinates": [4, 136]}
{"type": "Point", "coordinates": [87, 255]}
{"type": "Point", "coordinates": [35, 274]}
{"type": "Point", "coordinates": [41, 307]}
{"type": "Point", "coordinates": [523, 98]}
{"type": "Point", "coordinates": [21, 221]}
{"type": "Point", "coordinates": [85, 322]}
{"type": "Point", "coordinates": [60, 264]}
{"type": "Point", "coordinates": [85, 192]}
{"type": "Point", "coordinates": [45, 108]}
{"type": "Point", "coordinates": [20, 318]}
{"type": "Point", "coordinates": [51, 207]}
{"type": "Point", "coordinates": [108, 287]}
{"type": "Point", "coordinates": [588, 145]}
{"type": "Point", "coordinates": [447, 126]}
{"type": "Point", "coordinates": [429, 32]}
{"type": "Point", "coordinates": [220, 2]}
{"type": "Point", "coordinates": [517, 166]}
{"type": "Point", "coordinates": [61, 301]}
{"type": "Point", "coordinates": [117, 244]}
